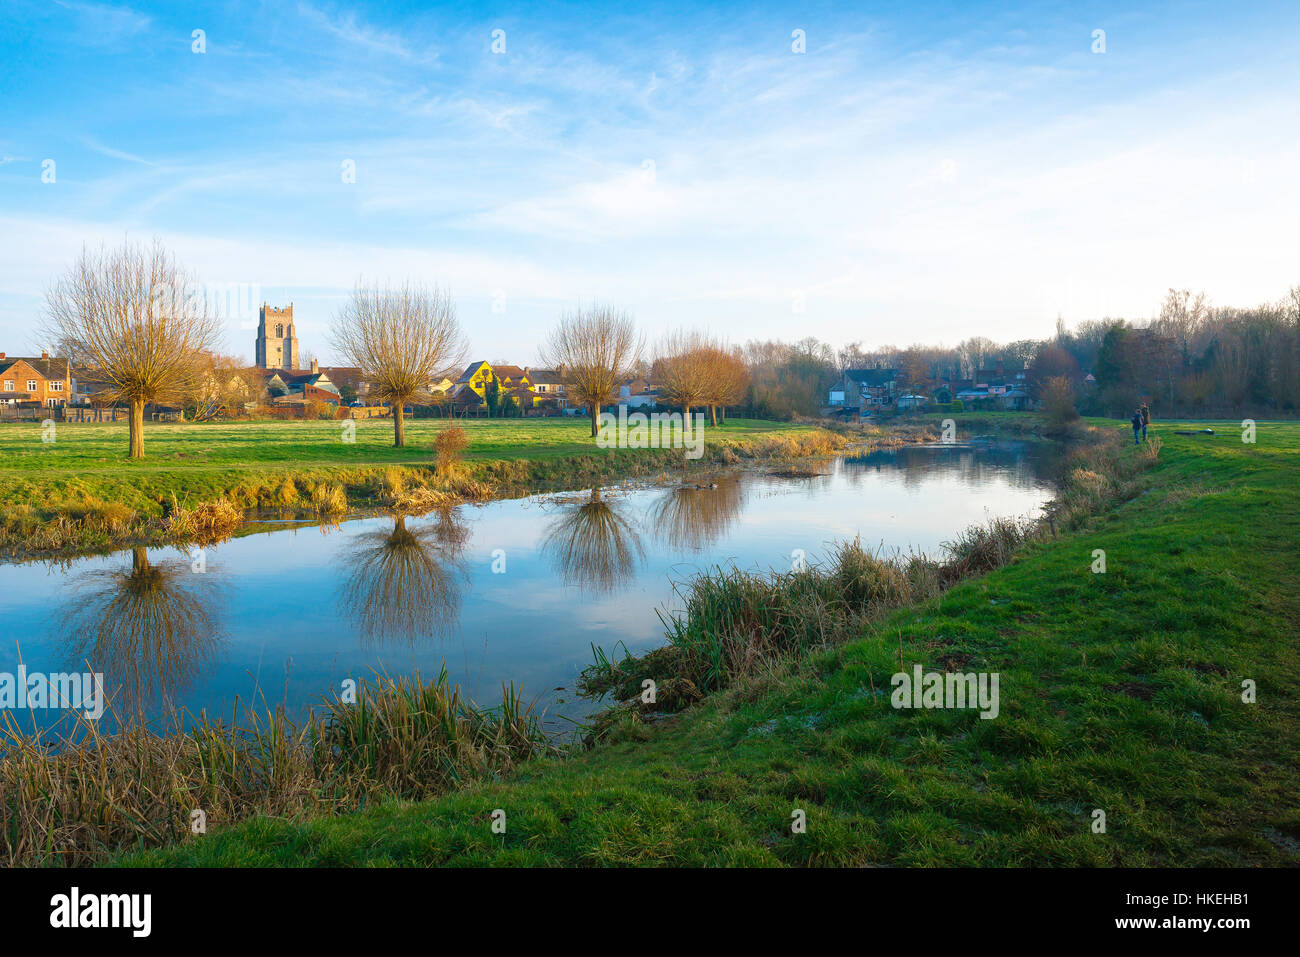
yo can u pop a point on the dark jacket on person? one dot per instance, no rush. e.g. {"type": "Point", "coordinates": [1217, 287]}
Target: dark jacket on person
{"type": "Point", "coordinates": [1146, 415]}
{"type": "Point", "coordinates": [1136, 420]}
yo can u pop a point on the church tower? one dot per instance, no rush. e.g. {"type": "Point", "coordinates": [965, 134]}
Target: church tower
{"type": "Point", "coordinates": [277, 345]}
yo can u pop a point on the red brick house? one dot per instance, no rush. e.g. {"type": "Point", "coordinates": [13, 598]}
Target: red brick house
{"type": "Point", "coordinates": [45, 381]}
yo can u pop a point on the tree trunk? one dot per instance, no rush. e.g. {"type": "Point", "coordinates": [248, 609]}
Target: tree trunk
{"type": "Point", "coordinates": [399, 425]}
{"type": "Point", "coordinates": [137, 428]}
{"type": "Point", "coordinates": [595, 415]}
{"type": "Point", "coordinates": [713, 416]}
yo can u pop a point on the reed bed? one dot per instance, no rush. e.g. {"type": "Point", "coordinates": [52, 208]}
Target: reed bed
{"type": "Point", "coordinates": [79, 797]}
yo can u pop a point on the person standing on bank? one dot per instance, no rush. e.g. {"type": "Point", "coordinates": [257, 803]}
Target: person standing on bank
{"type": "Point", "coordinates": [1136, 422]}
{"type": "Point", "coordinates": [1146, 419]}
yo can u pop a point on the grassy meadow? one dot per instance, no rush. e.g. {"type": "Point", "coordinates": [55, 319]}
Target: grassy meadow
{"type": "Point", "coordinates": [1120, 692]}
{"type": "Point", "coordinates": [81, 492]}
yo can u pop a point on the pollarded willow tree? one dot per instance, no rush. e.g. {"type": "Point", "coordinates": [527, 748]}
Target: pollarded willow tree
{"type": "Point", "coordinates": [728, 380]}
{"type": "Point", "coordinates": [597, 348]}
{"type": "Point", "coordinates": [400, 338]}
{"type": "Point", "coordinates": [132, 318]}
{"type": "Point", "coordinates": [683, 367]}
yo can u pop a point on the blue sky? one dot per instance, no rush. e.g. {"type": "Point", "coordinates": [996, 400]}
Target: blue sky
{"type": "Point", "coordinates": [920, 173]}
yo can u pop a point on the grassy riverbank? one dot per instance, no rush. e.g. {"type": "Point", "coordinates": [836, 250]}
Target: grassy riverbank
{"type": "Point", "coordinates": [80, 493]}
{"type": "Point", "coordinates": [1120, 692]}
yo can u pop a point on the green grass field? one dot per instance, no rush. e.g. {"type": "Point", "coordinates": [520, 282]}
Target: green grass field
{"type": "Point", "coordinates": [188, 464]}
{"type": "Point", "coordinates": [96, 453]}
{"type": "Point", "coordinates": [1120, 692]}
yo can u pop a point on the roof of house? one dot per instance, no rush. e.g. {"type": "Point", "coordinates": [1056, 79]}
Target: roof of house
{"type": "Point", "coordinates": [318, 381]}
{"type": "Point", "coordinates": [466, 396]}
{"type": "Point", "coordinates": [510, 372]}
{"type": "Point", "coordinates": [470, 369]}
{"type": "Point", "coordinates": [47, 367]}
{"type": "Point", "coordinates": [545, 377]}
{"type": "Point", "coordinates": [344, 375]}
{"type": "Point", "coordinates": [871, 377]}
{"type": "Point", "coordinates": [300, 377]}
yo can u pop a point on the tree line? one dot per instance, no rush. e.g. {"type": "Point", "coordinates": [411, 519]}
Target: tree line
{"type": "Point", "coordinates": [135, 319]}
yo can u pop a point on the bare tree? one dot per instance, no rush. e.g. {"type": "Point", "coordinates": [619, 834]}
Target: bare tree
{"type": "Point", "coordinates": [727, 380]}
{"type": "Point", "coordinates": [223, 385]}
{"type": "Point", "coordinates": [684, 365]}
{"type": "Point", "coordinates": [400, 337]}
{"type": "Point", "coordinates": [598, 348]}
{"type": "Point", "coordinates": [134, 319]}
{"type": "Point", "coordinates": [915, 367]}
{"type": "Point", "coordinates": [973, 353]}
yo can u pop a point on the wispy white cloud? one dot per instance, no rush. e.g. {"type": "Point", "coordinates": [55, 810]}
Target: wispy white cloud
{"type": "Point", "coordinates": [347, 27]}
{"type": "Point", "coordinates": [899, 191]}
{"type": "Point", "coordinates": [104, 25]}
{"type": "Point", "coordinates": [108, 151]}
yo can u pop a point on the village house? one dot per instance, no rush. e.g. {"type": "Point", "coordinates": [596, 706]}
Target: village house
{"type": "Point", "coordinates": [45, 382]}
{"type": "Point", "coordinates": [549, 385]}
{"type": "Point", "coordinates": [864, 389]}
{"type": "Point", "coordinates": [288, 388]}
{"type": "Point", "coordinates": [996, 387]}
{"type": "Point", "coordinates": [534, 392]}
{"type": "Point", "coordinates": [347, 381]}
{"type": "Point", "coordinates": [471, 388]}
{"type": "Point", "coordinates": [638, 392]}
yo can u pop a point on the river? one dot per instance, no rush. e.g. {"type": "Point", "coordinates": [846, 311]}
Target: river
{"type": "Point", "coordinates": [518, 589]}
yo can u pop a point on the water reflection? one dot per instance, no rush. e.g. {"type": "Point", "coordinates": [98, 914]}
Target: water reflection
{"type": "Point", "coordinates": [324, 606]}
{"type": "Point", "coordinates": [975, 465]}
{"type": "Point", "coordinates": [592, 545]}
{"type": "Point", "coordinates": [151, 628]}
{"type": "Point", "coordinates": [405, 583]}
{"type": "Point", "coordinates": [691, 518]}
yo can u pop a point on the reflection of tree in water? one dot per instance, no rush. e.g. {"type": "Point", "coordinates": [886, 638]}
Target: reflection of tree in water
{"type": "Point", "coordinates": [593, 546]}
{"type": "Point", "coordinates": [405, 583]}
{"type": "Point", "coordinates": [692, 518]}
{"type": "Point", "coordinates": [150, 629]}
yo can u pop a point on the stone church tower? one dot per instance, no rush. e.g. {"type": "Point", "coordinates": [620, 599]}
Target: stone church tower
{"type": "Point", "coordinates": [277, 346]}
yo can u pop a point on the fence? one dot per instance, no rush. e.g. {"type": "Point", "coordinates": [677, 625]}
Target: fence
{"type": "Point", "coordinates": [74, 414]}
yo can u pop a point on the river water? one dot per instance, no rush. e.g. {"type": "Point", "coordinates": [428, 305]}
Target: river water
{"type": "Point", "coordinates": [512, 590]}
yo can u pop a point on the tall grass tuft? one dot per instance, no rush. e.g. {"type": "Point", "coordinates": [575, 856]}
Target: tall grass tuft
{"type": "Point", "coordinates": [329, 499]}
{"type": "Point", "coordinates": [448, 446]}
{"type": "Point", "coordinates": [204, 524]}
{"type": "Point", "coordinates": [77, 798]}
{"type": "Point", "coordinates": [982, 548]}
{"type": "Point", "coordinates": [736, 622]}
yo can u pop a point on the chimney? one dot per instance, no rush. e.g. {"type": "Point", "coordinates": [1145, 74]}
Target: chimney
{"type": "Point", "coordinates": [44, 354]}
{"type": "Point", "coordinates": [315, 367]}
{"type": "Point", "coordinates": [560, 372]}
{"type": "Point", "coordinates": [2, 355]}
